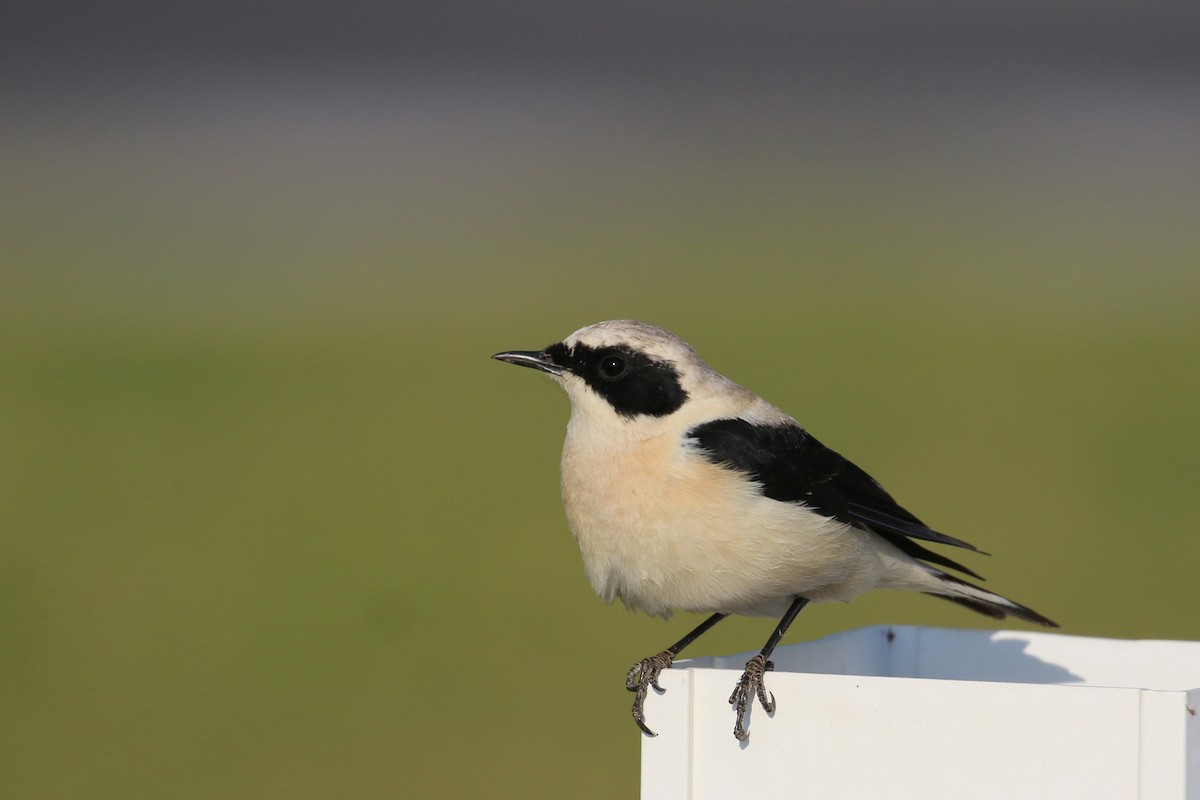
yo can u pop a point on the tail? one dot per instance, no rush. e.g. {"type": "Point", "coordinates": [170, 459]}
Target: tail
{"type": "Point", "coordinates": [985, 602]}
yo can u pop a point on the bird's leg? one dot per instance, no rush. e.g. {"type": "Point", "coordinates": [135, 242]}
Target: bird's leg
{"type": "Point", "coordinates": [751, 683]}
{"type": "Point", "coordinates": [644, 674]}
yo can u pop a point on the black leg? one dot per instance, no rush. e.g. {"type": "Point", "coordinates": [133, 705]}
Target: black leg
{"type": "Point", "coordinates": [751, 683]}
{"type": "Point", "coordinates": [644, 674]}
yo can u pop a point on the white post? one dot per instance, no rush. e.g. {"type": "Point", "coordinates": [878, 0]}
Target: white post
{"type": "Point", "coordinates": [911, 712]}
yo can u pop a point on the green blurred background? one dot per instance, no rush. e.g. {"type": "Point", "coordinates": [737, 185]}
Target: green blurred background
{"type": "Point", "coordinates": [273, 525]}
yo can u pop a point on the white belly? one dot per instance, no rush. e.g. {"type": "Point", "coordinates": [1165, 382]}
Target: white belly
{"type": "Point", "coordinates": [663, 529]}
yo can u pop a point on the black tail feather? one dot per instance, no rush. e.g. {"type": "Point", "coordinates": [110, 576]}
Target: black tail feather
{"type": "Point", "coordinates": [995, 610]}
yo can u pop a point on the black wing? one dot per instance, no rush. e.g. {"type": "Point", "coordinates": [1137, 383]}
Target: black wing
{"type": "Point", "coordinates": [793, 467]}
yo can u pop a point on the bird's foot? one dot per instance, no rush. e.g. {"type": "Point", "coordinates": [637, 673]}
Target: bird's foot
{"type": "Point", "coordinates": [748, 687]}
{"type": "Point", "coordinates": [641, 677]}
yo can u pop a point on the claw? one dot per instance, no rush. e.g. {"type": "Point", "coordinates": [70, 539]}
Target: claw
{"type": "Point", "coordinates": [638, 715]}
{"type": "Point", "coordinates": [749, 686]}
{"type": "Point", "coordinates": [642, 724]}
{"type": "Point", "coordinates": [641, 677]}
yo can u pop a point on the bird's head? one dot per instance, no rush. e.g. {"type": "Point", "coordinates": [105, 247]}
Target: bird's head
{"type": "Point", "coordinates": [626, 369]}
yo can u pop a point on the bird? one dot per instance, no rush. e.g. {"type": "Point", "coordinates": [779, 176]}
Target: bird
{"type": "Point", "coordinates": [687, 492]}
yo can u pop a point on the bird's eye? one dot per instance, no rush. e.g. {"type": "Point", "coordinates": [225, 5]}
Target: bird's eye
{"type": "Point", "coordinates": [612, 367]}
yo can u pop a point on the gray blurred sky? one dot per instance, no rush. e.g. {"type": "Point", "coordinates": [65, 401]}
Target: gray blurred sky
{"type": "Point", "coordinates": [207, 138]}
{"type": "Point", "coordinates": [615, 41]}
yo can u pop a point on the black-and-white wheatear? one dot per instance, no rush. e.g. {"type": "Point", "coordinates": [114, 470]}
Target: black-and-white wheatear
{"type": "Point", "coordinates": [686, 491]}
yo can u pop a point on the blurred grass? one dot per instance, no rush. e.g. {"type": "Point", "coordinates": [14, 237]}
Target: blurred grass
{"type": "Point", "coordinates": [273, 525]}
{"type": "Point", "coordinates": [307, 562]}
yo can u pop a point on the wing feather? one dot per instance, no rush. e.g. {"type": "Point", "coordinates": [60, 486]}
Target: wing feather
{"type": "Point", "coordinates": [793, 467]}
